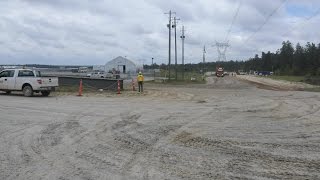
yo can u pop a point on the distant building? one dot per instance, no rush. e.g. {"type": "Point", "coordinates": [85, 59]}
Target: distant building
{"type": "Point", "coordinates": [119, 67]}
{"type": "Point", "coordinates": [122, 65]}
{"type": "Point", "coordinates": [11, 67]}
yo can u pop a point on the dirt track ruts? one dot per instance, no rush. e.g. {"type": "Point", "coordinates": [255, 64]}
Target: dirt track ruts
{"type": "Point", "coordinates": [226, 129]}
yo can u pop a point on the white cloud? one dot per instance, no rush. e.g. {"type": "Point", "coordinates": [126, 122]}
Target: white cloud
{"type": "Point", "coordinates": [95, 31]}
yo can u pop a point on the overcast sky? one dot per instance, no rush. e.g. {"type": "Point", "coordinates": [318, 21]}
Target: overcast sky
{"type": "Point", "coordinates": [92, 32]}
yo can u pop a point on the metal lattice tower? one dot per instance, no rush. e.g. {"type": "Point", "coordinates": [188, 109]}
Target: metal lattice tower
{"type": "Point", "coordinates": [222, 49]}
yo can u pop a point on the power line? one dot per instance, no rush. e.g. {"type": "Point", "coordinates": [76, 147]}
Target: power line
{"type": "Point", "coordinates": [317, 12]}
{"type": "Point", "coordinates": [266, 20]}
{"type": "Point", "coordinates": [233, 20]}
{"type": "Point", "coordinates": [222, 47]}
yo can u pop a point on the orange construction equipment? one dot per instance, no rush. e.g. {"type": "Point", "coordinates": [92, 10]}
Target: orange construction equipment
{"type": "Point", "coordinates": [80, 88]}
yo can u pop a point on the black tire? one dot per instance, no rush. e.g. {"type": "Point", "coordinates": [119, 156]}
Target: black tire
{"type": "Point", "coordinates": [45, 93]}
{"type": "Point", "coordinates": [8, 92]}
{"type": "Point", "coordinates": [27, 91]}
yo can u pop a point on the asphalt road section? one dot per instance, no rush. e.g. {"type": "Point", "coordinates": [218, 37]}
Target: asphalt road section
{"type": "Point", "coordinates": [226, 129]}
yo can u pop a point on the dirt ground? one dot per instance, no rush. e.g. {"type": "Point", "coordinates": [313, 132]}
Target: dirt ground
{"type": "Point", "coordinates": [275, 84]}
{"type": "Point", "coordinates": [226, 129]}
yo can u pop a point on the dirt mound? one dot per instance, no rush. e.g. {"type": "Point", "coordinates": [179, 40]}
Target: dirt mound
{"type": "Point", "coordinates": [267, 83]}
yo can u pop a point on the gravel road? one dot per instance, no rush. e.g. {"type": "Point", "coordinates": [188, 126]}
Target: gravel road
{"type": "Point", "coordinates": [226, 129]}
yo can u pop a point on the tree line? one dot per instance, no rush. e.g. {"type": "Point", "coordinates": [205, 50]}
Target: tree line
{"type": "Point", "coordinates": [288, 60]}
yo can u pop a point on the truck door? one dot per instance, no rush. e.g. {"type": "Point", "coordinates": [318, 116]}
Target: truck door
{"type": "Point", "coordinates": [6, 77]}
{"type": "Point", "coordinates": [3, 76]}
{"type": "Point", "coordinates": [11, 80]}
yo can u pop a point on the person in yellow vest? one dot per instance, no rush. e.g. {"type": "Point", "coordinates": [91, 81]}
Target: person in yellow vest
{"type": "Point", "coordinates": [140, 80]}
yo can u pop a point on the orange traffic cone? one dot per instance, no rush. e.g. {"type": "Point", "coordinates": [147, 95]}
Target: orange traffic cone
{"type": "Point", "coordinates": [80, 88]}
{"type": "Point", "coordinates": [133, 85]}
{"type": "Point", "coordinates": [119, 87]}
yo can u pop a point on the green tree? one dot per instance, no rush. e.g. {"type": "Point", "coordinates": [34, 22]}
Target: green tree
{"type": "Point", "coordinates": [286, 57]}
{"type": "Point", "coordinates": [299, 60]}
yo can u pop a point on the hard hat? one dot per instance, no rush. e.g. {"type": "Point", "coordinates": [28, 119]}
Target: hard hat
{"type": "Point", "coordinates": [140, 72]}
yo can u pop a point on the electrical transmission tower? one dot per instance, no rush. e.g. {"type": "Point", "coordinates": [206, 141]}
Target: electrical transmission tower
{"type": "Point", "coordinates": [222, 49]}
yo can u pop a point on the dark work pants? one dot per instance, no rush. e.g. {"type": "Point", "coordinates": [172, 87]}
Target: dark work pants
{"type": "Point", "coordinates": [140, 83]}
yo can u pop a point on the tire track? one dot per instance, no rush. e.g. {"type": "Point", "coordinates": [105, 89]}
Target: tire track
{"type": "Point", "coordinates": [274, 165]}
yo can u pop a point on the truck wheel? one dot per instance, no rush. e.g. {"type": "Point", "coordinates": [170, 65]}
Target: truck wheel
{"type": "Point", "coordinates": [45, 93]}
{"type": "Point", "coordinates": [8, 92]}
{"type": "Point", "coordinates": [27, 91]}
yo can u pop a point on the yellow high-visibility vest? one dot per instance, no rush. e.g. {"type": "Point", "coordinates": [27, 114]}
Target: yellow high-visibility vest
{"type": "Point", "coordinates": [140, 78]}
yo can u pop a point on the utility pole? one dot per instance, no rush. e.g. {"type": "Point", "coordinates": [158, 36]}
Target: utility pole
{"type": "Point", "coordinates": [154, 72]}
{"type": "Point", "coordinates": [169, 26]}
{"type": "Point", "coordinates": [182, 39]}
{"type": "Point", "coordinates": [203, 58]}
{"type": "Point", "coordinates": [175, 46]}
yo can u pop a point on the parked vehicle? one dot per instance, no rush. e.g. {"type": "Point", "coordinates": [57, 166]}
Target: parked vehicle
{"type": "Point", "coordinates": [241, 72]}
{"type": "Point", "coordinates": [99, 75]}
{"type": "Point", "coordinates": [219, 72]}
{"type": "Point", "coordinates": [265, 73]}
{"type": "Point", "coordinates": [28, 81]}
{"type": "Point", "coordinates": [83, 69]}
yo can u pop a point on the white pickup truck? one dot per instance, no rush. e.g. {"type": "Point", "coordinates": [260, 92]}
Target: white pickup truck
{"type": "Point", "coordinates": [28, 81]}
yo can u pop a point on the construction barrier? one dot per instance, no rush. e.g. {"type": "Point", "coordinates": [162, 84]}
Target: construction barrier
{"type": "Point", "coordinates": [92, 84]}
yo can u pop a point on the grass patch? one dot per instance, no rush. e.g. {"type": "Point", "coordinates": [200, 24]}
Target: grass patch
{"type": "Point", "coordinates": [67, 89]}
{"type": "Point", "coordinates": [315, 89]}
{"type": "Point", "coordinates": [314, 80]}
{"type": "Point", "coordinates": [182, 78]}
{"type": "Point", "coordinates": [75, 89]}
{"type": "Point", "coordinates": [305, 79]}
{"type": "Point", "coordinates": [289, 78]}
{"type": "Point", "coordinates": [178, 82]}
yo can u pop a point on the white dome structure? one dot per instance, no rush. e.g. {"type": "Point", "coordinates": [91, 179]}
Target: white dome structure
{"type": "Point", "coordinates": [121, 64]}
